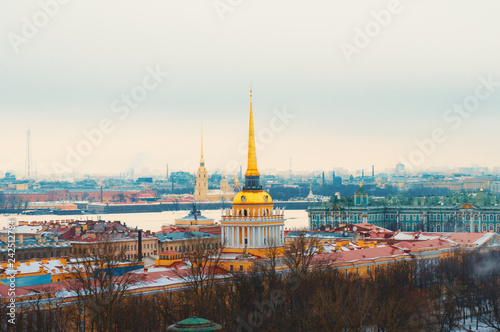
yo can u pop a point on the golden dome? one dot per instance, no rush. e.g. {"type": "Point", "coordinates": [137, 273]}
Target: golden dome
{"type": "Point", "coordinates": [252, 197]}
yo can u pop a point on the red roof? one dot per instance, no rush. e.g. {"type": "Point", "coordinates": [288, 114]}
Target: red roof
{"type": "Point", "coordinates": [425, 244]}
{"type": "Point", "coordinates": [4, 290]}
{"type": "Point", "coordinates": [169, 252]}
{"type": "Point", "coordinates": [366, 254]}
{"type": "Point", "coordinates": [171, 230]}
{"type": "Point", "coordinates": [464, 237]}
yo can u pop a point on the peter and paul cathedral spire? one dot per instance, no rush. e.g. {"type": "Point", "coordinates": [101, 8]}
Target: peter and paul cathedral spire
{"type": "Point", "coordinates": [201, 188]}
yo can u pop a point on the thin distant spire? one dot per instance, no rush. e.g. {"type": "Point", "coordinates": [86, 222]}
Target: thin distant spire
{"type": "Point", "coordinates": [252, 155]}
{"type": "Point", "coordinates": [202, 160]}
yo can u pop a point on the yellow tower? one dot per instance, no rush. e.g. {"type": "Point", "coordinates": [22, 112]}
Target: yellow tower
{"type": "Point", "coordinates": [237, 186]}
{"type": "Point", "coordinates": [224, 185]}
{"type": "Point", "coordinates": [252, 223]}
{"type": "Point", "coordinates": [201, 187]}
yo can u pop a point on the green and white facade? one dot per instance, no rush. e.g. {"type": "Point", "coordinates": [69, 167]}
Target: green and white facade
{"type": "Point", "coordinates": [460, 218]}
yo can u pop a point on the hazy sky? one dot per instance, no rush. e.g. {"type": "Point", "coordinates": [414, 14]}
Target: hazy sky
{"type": "Point", "coordinates": [336, 83]}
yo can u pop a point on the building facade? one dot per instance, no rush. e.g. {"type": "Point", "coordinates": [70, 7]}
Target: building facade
{"type": "Point", "coordinates": [440, 218]}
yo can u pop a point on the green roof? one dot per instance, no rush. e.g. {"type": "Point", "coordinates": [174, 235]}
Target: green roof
{"type": "Point", "coordinates": [195, 324]}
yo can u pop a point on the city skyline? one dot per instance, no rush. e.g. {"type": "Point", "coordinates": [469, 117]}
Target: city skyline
{"type": "Point", "coordinates": [321, 97]}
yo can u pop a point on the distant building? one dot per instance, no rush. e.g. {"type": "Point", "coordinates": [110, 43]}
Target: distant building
{"type": "Point", "coordinates": [185, 240]}
{"type": "Point", "coordinates": [476, 183]}
{"type": "Point", "coordinates": [194, 218]}
{"type": "Point", "coordinates": [145, 180]}
{"type": "Point", "coordinates": [437, 218]}
{"type": "Point", "coordinates": [400, 169]}
{"type": "Point", "coordinates": [123, 237]}
{"type": "Point", "coordinates": [181, 177]}
{"type": "Point", "coordinates": [29, 246]}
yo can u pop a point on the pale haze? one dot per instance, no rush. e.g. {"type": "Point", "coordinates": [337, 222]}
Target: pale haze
{"type": "Point", "coordinates": [370, 110]}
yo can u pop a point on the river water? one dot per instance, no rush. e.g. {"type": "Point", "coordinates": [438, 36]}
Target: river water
{"type": "Point", "coordinates": [154, 220]}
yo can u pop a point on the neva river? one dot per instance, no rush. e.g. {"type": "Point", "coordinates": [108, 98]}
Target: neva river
{"type": "Point", "coordinates": [295, 219]}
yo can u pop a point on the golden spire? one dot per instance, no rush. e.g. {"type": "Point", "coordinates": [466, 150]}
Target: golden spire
{"type": "Point", "coordinates": [202, 161]}
{"type": "Point", "coordinates": [252, 156]}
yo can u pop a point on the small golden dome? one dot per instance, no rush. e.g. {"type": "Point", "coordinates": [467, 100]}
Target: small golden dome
{"type": "Point", "coordinates": [252, 197]}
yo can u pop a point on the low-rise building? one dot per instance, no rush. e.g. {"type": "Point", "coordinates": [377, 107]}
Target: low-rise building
{"type": "Point", "coordinates": [29, 246]}
{"type": "Point", "coordinates": [185, 241]}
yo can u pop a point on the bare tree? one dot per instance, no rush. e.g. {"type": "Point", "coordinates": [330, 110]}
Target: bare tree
{"type": "Point", "coordinates": [300, 254]}
{"type": "Point", "coordinates": [267, 266]}
{"type": "Point", "coordinates": [101, 280]}
{"type": "Point", "coordinates": [201, 276]}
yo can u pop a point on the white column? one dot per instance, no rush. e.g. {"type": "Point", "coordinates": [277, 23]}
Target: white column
{"type": "Point", "coordinates": [253, 237]}
{"type": "Point", "coordinates": [250, 236]}
{"type": "Point", "coordinates": [243, 236]}
{"type": "Point", "coordinates": [222, 235]}
{"type": "Point", "coordinates": [232, 237]}
{"type": "Point", "coordinates": [236, 237]}
{"type": "Point", "coordinates": [256, 233]}
{"type": "Point", "coordinates": [273, 237]}
{"type": "Point", "coordinates": [283, 234]}
{"type": "Point", "coordinates": [233, 241]}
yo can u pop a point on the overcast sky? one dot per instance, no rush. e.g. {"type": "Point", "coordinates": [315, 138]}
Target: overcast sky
{"type": "Point", "coordinates": [325, 94]}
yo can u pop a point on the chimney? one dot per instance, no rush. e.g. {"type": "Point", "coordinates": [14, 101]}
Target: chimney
{"type": "Point", "coordinates": [139, 244]}
{"type": "Point", "coordinates": [20, 237]}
